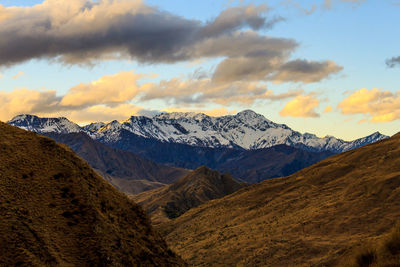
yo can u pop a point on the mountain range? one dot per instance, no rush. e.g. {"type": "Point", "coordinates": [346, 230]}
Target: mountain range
{"type": "Point", "coordinates": [56, 211]}
{"type": "Point", "coordinates": [246, 145]}
{"type": "Point", "coordinates": [245, 130]}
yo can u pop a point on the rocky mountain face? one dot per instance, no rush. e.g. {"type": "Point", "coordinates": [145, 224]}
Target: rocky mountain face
{"type": "Point", "coordinates": [314, 217]}
{"type": "Point", "coordinates": [198, 187]}
{"type": "Point", "coordinates": [245, 130]}
{"type": "Point", "coordinates": [56, 211]}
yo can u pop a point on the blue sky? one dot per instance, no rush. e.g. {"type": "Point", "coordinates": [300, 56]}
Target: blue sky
{"type": "Point", "coordinates": [356, 37]}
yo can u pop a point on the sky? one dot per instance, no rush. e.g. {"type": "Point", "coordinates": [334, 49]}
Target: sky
{"type": "Point", "coordinates": [328, 67]}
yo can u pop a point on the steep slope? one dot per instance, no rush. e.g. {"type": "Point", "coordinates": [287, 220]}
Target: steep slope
{"type": "Point", "coordinates": [199, 186]}
{"type": "Point", "coordinates": [245, 130]}
{"type": "Point", "coordinates": [56, 211]}
{"type": "Point", "coordinates": [310, 218]}
{"type": "Point", "coordinates": [129, 173]}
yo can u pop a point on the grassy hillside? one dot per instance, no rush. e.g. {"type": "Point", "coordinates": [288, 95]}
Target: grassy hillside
{"type": "Point", "coordinates": [313, 217]}
{"type": "Point", "coordinates": [56, 211]}
{"type": "Point", "coordinates": [198, 187]}
{"type": "Point", "coordinates": [385, 253]}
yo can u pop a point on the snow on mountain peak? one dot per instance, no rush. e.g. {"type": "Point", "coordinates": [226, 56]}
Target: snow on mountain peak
{"type": "Point", "coordinates": [44, 125]}
{"type": "Point", "coordinates": [181, 115]}
{"type": "Point", "coordinates": [245, 130]}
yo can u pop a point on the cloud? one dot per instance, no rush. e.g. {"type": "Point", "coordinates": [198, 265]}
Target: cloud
{"type": "Point", "coordinates": [1, 75]}
{"type": "Point", "coordinates": [104, 99]}
{"type": "Point", "coordinates": [86, 31]}
{"type": "Point", "coordinates": [192, 91]}
{"type": "Point", "coordinates": [301, 106]}
{"type": "Point", "coordinates": [109, 89]}
{"type": "Point", "coordinates": [211, 112]}
{"type": "Point", "coordinates": [378, 105]}
{"type": "Point", "coordinates": [46, 103]}
{"type": "Point", "coordinates": [26, 101]}
{"type": "Point", "coordinates": [393, 62]}
{"type": "Point", "coordinates": [78, 31]}
{"type": "Point", "coordinates": [328, 109]}
{"type": "Point", "coordinates": [299, 7]}
{"type": "Point", "coordinates": [306, 71]}
{"type": "Point", "coordinates": [103, 113]}
{"type": "Point", "coordinates": [271, 64]}
{"type": "Point", "coordinates": [235, 18]}
{"type": "Point", "coordinates": [328, 3]}
{"type": "Point", "coordinates": [18, 75]}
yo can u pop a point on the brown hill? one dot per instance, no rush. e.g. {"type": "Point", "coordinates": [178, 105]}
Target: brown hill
{"type": "Point", "coordinates": [56, 211]}
{"type": "Point", "coordinates": [199, 186]}
{"type": "Point", "coordinates": [385, 253]}
{"type": "Point", "coordinates": [313, 217]}
{"type": "Point", "coordinates": [128, 172]}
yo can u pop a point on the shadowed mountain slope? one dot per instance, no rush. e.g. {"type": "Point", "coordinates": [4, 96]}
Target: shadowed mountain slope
{"type": "Point", "coordinates": [199, 186]}
{"type": "Point", "coordinates": [312, 217]}
{"type": "Point", "coordinates": [248, 165]}
{"type": "Point", "coordinates": [56, 211]}
{"type": "Point", "coordinates": [128, 172]}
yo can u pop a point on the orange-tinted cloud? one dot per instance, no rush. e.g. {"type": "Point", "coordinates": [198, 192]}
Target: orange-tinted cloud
{"type": "Point", "coordinates": [109, 89]}
{"type": "Point", "coordinates": [211, 112]}
{"type": "Point", "coordinates": [328, 109]}
{"type": "Point", "coordinates": [26, 101]}
{"type": "Point", "coordinates": [195, 91]}
{"type": "Point", "coordinates": [101, 100]}
{"type": "Point", "coordinates": [18, 75]}
{"type": "Point", "coordinates": [103, 113]}
{"type": "Point", "coordinates": [378, 105]}
{"type": "Point", "coordinates": [301, 106]}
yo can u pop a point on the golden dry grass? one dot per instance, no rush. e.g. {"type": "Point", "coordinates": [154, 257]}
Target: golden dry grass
{"type": "Point", "coordinates": [311, 218]}
{"type": "Point", "coordinates": [384, 253]}
{"type": "Point", "coordinates": [56, 211]}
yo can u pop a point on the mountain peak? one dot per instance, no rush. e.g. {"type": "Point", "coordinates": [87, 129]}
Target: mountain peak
{"type": "Point", "coordinates": [44, 125]}
{"type": "Point", "coordinates": [202, 169]}
{"type": "Point", "coordinates": [197, 187]}
{"type": "Point", "coordinates": [22, 117]}
{"type": "Point", "coordinates": [248, 112]}
{"type": "Point", "coordinates": [181, 115]}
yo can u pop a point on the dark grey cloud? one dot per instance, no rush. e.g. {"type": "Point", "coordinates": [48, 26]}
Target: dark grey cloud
{"type": "Point", "coordinates": [274, 69]}
{"type": "Point", "coordinates": [305, 71]}
{"type": "Point", "coordinates": [85, 31]}
{"type": "Point", "coordinates": [393, 62]}
{"type": "Point", "coordinates": [78, 31]}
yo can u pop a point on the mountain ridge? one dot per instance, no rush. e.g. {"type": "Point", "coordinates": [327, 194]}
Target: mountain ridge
{"type": "Point", "coordinates": [246, 130]}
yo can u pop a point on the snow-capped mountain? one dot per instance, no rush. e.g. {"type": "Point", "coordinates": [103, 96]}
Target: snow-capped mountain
{"type": "Point", "coordinates": [45, 125]}
{"type": "Point", "coordinates": [246, 130]}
